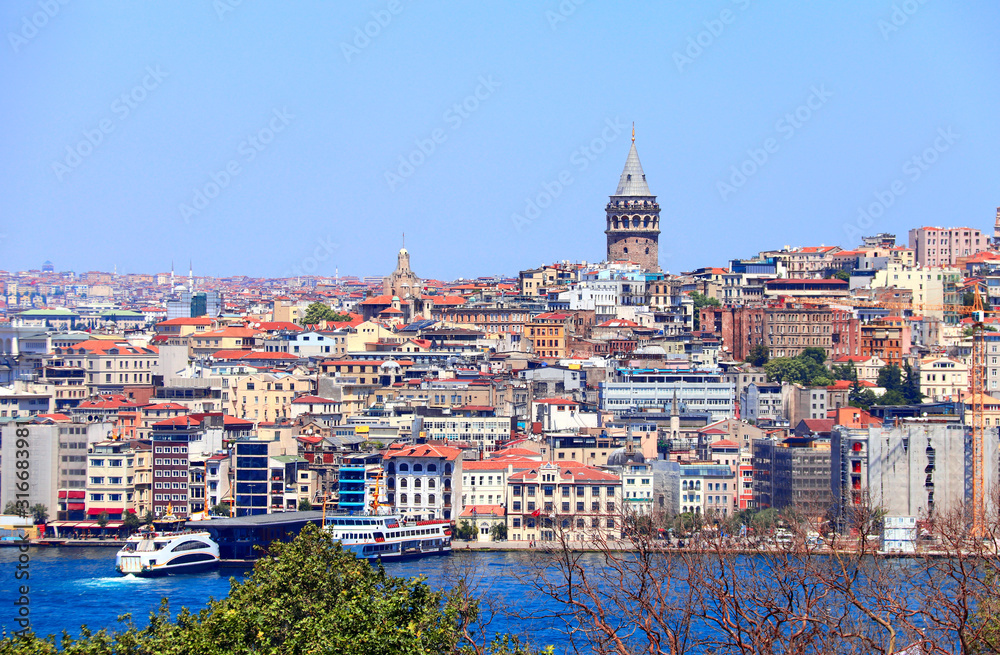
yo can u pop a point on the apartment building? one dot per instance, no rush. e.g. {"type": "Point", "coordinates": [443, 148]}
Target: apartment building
{"type": "Point", "coordinates": [423, 479]}
{"type": "Point", "coordinates": [554, 497]}
{"type": "Point", "coordinates": [110, 479]}
{"type": "Point", "coordinates": [937, 246]}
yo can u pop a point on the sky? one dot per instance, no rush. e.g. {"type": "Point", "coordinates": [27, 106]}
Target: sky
{"type": "Point", "coordinates": [287, 138]}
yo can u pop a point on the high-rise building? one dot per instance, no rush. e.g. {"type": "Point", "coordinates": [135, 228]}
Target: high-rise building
{"type": "Point", "coordinates": [633, 217]}
{"type": "Point", "coordinates": [943, 246]}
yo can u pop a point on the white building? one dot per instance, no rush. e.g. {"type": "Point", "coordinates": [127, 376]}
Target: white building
{"type": "Point", "coordinates": [423, 479]}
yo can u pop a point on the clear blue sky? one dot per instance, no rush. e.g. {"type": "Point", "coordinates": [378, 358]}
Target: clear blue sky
{"type": "Point", "coordinates": [317, 197]}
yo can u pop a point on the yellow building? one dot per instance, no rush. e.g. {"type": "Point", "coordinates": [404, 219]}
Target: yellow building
{"type": "Point", "coordinates": [546, 335]}
{"type": "Point", "coordinates": [266, 396]}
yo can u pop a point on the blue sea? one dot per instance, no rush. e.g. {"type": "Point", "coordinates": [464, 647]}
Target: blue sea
{"type": "Point", "coordinates": [70, 587]}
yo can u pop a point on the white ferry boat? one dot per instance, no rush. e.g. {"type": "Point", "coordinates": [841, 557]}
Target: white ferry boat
{"type": "Point", "coordinates": [151, 553]}
{"type": "Point", "coordinates": [389, 537]}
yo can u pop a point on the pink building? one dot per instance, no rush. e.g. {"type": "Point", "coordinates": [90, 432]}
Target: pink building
{"type": "Point", "coordinates": [937, 246]}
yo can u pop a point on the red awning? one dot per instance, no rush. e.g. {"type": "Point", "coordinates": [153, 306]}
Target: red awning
{"type": "Point", "coordinates": [96, 511]}
{"type": "Point", "coordinates": [76, 506]}
{"type": "Point", "coordinates": [87, 524]}
{"type": "Point", "coordinates": [72, 494]}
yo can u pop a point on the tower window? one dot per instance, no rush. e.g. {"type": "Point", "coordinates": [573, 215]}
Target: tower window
{"type": "Point", "coordinates": [647, 251]}
{"type": "Point", "coordinates": [626, 250]}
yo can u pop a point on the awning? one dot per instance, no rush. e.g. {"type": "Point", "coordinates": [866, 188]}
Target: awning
{"type": "Point", "coordinates": [76, 506]}
{"type": "Point", "coordinates": [87, 525]}
{"type": "Point", "coordinates": [72, 494]}
{"type": "Point", "coordinates": [96, 511]}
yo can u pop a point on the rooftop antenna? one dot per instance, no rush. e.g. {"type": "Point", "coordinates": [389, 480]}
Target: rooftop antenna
{"type": "Point", "coordinates": [633, 131]}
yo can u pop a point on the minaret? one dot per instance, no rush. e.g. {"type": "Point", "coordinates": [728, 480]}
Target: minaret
{"type": "Point", "coordinates": [171, 275]}
{"type": "Point", "coordinates": [633, 217]}
{"type": "Point", "coordinates": [190, 276]}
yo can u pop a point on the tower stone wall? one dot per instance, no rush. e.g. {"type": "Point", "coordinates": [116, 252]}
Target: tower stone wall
{"type": "Point", "coordinates": [633, 218]}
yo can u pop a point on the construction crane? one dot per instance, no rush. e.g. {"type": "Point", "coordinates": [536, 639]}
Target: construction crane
{"type": "Point", "coordinates": [978, 372]}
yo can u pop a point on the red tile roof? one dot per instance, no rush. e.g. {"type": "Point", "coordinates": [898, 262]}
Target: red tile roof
{"type": "Point", "coordinates": [250, 355]}
{"type": "Point", "coordinates": [483, 511]}
{"type": "Point", "coordinates": [425, 450]}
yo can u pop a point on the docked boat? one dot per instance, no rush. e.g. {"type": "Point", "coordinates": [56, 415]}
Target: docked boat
{"type": "Point", "coordinates": [150, 553]}
{"type": "Point", "coordinates": [387, 536]}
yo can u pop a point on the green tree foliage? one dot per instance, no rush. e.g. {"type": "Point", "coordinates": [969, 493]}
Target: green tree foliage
{"type": "Point", "coordinates": [102, 519]}
{"type": "Point", "coordinates": [317, 312]}
{"type": "Point", "coordinates": [221, 509]}
{"type": "Point", "coordinates": [308, 596]}
{"type": "Point", "coordinates": [818, 355]}
{"type": "Point", "coordinates": [466, 530]}
{"type": "Point", "coordinates": [11, 509]}
{"type": "Point", "coordinates": [758, 355]}
{"type": "Point", "coordinates": [902, 386]}
{"type": "Point", "coordinates": [701, 300]}
{"type": "Point", "coordinates": [842, 275]}
{"type": "Point", "coordinates": [807, 369]}
{"type": "Point", "coordinates": [499, 532]}
{"type": "Point", "coordinates": [890, 378]}
{"type": "Point", "coordinates": [911, 385]}
{"type": "Point", "coordinates": [846, 371]}
{"type": "Point", "coordinates": [305, 505]}
{"type": "Point", "coordinates": [39, 512]}
{"type": "Point", "coordinates": [148, 518]}
{"type": "Point", "coordinates": [861, 397]}
{"type": "Point", "coordinates": [130, 521]}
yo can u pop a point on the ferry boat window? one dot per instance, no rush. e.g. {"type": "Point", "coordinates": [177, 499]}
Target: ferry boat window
{"type": "Point", "coordinates": [190, 545]}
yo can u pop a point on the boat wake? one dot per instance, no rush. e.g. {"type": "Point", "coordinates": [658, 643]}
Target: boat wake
{"type": "Point", "coordinates": [115, 581]}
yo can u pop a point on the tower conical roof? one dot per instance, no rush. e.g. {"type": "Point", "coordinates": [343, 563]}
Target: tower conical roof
{"type": "Point", "coordinates": [633, 182]}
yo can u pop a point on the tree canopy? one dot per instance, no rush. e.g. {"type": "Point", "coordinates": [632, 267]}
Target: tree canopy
{"type": "Point", "coordinates": [308, 596]}
{"type": "Point", "coordinates": [807, 369]}
{"type": "Point", "coordinates": [318, 312]}
{"type": "Point", "coordinates": [758, 355]}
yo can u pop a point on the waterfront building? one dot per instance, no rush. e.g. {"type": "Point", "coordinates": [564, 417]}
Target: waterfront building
{"type": "Point", "coordinates": [423, 479]}
{"type": "Point", "coordinates": [554, 498]}
{"type": "Point", "coordinates": [793, 473]}
{"type": "Point", "coordinates": [110, 479]}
